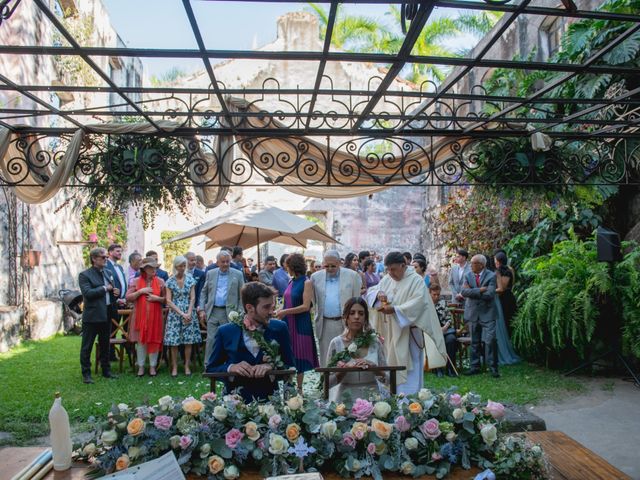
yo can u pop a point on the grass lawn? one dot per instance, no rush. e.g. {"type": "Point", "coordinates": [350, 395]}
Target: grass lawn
{"type": "Point", "coordinates": [30, 375]}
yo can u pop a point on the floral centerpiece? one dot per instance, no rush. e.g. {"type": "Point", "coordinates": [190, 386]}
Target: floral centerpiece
{"type": "Point", "coordinates": [415, 435]}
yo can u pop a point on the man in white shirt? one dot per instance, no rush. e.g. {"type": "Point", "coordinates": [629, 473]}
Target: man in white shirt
{"type": "Point", "coordinates": [458, 273]}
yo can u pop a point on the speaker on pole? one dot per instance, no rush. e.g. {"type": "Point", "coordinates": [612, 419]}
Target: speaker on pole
{"type": "Point", "coordinates": [608, 245]}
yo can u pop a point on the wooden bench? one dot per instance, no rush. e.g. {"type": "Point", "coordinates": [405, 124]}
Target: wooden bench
{"type": "Point", "coordinates": [327, 371]}
{"type": "Point", "coordinates": [272, 374]}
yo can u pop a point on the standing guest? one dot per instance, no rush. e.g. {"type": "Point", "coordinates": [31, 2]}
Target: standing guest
{"type": "Point", "coordinates": [358, 384]}
{"type": "Point", "coordinates": [281, 278]}
{"type": "Point", "coordinates": [379, 265]}
{"type": "Point", "coordinates": [213, 264]}
{"type": "Point", "coordinates": [420, 266]}
{"type": "Point", "coordinates": [448, 329]}
{"type": "Point", "coordinates": [134, 266]}
{"type": "Point", "coordinates": [120, 282]}
{"type": "Point", "coordinates": [332, 287]}
{"type": "Point", "coordinates": [237, 258]}
{"type": "Point", "coordinates": [479, 290]}
{"type": "Point", "coordinates": [237, 349]}
{"type": "Point", "coordinates": [193, 270]}
{"type": "Point", "coordinates": [371, 278]}
{"type": "Point", "coordinates": [363, 256]}
{"type": "Point", "coordinates": [209, 263]}
{"type": "Point", "coordinates": [407, 258]}
{"type": "Point", "coordinates": [147, 293]}
{"type": "Point", "coordinates": [504, 286]}
{"type": "Point", "coordinates": [98, 297]}
{"type": "Point", "coordinates": [296, 312]}
{"type": "Point", "coordinates": [459, 271]}
{"type": "Point", "coordinates": [351, 262]}
{"type": "Point", "coordinates": [432, 273]}
{"type": "Point", "coordinates": [250, 265]}
{"type": "Point", "coordinates": [200, 262]}
{"type": "Point", "coordinates": [266, 275]}
{"type": "Point", "coordinates": [254, 277]}
{"type": "Point", "coordinates": [219, 296]}
{"type": "Point", "coordinates": [160, 273]}
{"type": "Point", "coordinates": [317, 267]}
{"type": "Point", "coordinates": [403, 315]}
{"type": "Point", "coordinates": [182, 323]}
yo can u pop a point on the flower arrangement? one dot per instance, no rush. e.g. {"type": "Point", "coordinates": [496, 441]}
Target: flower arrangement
{"type": "Point", "coordinates": [362, 340]}
{"type": "Point", "coordinates": [421, 434]}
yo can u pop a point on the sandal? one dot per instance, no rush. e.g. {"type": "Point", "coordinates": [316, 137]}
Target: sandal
{"type": "Point", "coordinates": [141, 372]}
{"type": "Point", "coordinates": [152, 372]}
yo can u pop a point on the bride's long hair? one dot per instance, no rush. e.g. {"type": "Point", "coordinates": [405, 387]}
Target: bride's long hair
{"type": "Point", "coordinates": [347, 309]}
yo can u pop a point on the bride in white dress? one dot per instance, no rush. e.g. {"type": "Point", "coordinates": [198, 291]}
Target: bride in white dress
{"type": "Point", "coordinates": [358, 384]}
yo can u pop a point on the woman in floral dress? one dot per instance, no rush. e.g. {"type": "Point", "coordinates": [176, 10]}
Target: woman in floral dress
{"type": "Point", "coordinates": [182, 324]}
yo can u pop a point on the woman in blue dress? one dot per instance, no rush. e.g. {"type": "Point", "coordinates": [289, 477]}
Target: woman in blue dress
{"type": "Point", "coordinates": [506, 307]}
{"type": "Point", "coordinates": [182, 323]}
{"type": "Point", "coordinates": [296, 312]}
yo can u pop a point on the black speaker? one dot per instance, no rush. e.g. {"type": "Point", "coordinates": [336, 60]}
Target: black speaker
{"type": "Point", "coordinates": [608, 243]}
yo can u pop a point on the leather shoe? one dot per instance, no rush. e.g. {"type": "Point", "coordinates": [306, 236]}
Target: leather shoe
{"type": "Point", "coordinates": [468, 373]}
{"type": "Point", "coordinates": [87, 379]}
{"type": "Point", "coordinates": [495, 374]}
{"type": "Point", "coordinates": [109, 375]}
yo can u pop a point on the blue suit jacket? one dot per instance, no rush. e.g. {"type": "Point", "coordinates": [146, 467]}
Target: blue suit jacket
{"type": "Point", "coordinates": [116, 281]}
{"type": "Point", "coordinates": [199, 276]}
{"type": "Point", "coordinates": [229, 348]}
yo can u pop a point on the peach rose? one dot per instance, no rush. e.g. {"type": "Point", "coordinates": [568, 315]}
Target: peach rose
{"type": "Point", "coordinates": [216, 464]}
{"type": "Point", "coordinates": [122, 462]}
{"type": "Point", "coordinates": [341, 410]}
{"type": "Point", "coordinates": [193, 406]}
{"type": "Point", "coordinates": [135, 427]}
{"type": "Point", "coordinates": [359, 430]}
{"type": "Point", "coordinates": [251, 431]}
{"type": "Point", "coordinates": [293, 432]}
{"type": "Point", "coordinates": [382, 429]}
{"type": "Point", "coordinates": [415, 408]}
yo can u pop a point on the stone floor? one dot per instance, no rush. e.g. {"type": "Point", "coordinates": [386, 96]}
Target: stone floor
{"type": "Point", "coordinates": [606, 419]}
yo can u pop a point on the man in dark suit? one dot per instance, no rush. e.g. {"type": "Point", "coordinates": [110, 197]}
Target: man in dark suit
{"type": "Point", "coordinates": [236, 351]}
{"type": "Point", "coordinates": [479, 291]}
{"type": "Point", "coordinates": [99, 298]}
{"type": "Point", "coordinates": [119, 281]}
{"type": "Point", "coordinates": [196, 273]}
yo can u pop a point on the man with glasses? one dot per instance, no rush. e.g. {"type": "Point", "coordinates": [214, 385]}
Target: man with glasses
{"type": "Point", "coordinates": [99, 300]}
{"type": "Point", "coordinates": [332, 287]}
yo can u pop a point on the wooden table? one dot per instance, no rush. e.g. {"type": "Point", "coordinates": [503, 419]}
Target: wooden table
{"type": "Point", "coordinates": [569, 461]}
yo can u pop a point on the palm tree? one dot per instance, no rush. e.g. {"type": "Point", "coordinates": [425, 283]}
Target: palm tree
{"type": "Point", "coordinates": [355, 33]}
{"type": "Point", "coordinates": [478, 23]}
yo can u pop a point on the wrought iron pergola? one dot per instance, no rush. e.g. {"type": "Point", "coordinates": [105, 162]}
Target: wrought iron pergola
{"type": "Point", "coordinates": [381, 128]}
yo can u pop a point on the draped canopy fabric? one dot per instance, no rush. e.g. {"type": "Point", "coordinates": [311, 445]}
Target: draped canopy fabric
{"type": "Point", "coordinates": [37, 180]}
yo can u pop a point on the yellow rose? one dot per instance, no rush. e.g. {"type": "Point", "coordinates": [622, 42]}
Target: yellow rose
{"type": "Point", "coordinates": [295, 403]}
{"type": "Point", "coordinates": [122, 462]}
{"type": "Point", "coordinates": [341, 410]}
{"type": "Point", "coordinates": [216, 464]}
{"type": "Point", "coordinates": [380, 449]}
{"type": "Point", "coordinates": [193, 407]}
{"type": "Point", "coordinates": [293, 432]}
{"type": "Point", "coordinates": [415, 407]}
{"type": "Point", "coordinates": [135, 427]}
{"type": "Point", "coordinates": [382, 429]}
{"type": "Point", "coordinates": [251, 431]}
{"type": "Point", "coordinates": [359, 430]}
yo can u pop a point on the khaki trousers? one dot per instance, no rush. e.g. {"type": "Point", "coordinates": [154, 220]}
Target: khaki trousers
{"type": "Point", "coordinates": [218, 317]}
{"type": "Point", "coordinates": [332, 329]}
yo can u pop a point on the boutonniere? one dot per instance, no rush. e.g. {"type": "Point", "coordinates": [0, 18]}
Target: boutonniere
{"type": "Point", "coordinates": [271, 349]}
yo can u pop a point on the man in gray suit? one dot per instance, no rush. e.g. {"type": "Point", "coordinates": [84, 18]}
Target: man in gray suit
{"type": "Point", "coordinates": [332, 287]}
{"type": "Point", "coordinates": [479, 290]}
{"type": "Point", "coordinates": [218, 297]}
{"type": "Point", "coordinates": [459, 271]}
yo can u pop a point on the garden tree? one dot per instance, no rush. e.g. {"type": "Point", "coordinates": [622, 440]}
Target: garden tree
{"type": "Point", "coordinates": [350, 32]}
{"type": "Point", "coordinates": [173, 249]}
{"type": "Point", "coordinates": [103, 226]}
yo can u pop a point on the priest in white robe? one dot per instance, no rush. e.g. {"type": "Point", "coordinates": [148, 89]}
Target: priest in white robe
{"type": "Point", "coordinates": [403, 313]}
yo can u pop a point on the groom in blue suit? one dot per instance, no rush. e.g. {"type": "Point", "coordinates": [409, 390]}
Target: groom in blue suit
{"type": "Point", "coordinates": [236, 351]}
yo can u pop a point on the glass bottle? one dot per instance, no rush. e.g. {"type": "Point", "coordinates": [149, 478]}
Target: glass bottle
{"type": "Point", "coordinates": [60, 435]}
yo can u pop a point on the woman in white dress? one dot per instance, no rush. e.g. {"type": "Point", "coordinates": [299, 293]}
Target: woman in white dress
{"type": "Point", "coordinates": [358, 346]}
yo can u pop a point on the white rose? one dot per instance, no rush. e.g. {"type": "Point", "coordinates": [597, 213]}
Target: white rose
{"type": "Point", "coordinates": [295, 403]}
{"type": "Point", "coordinates": [267, 410]}
{"type": "Point", "coordinates": [381, 409]}
{"type": "Point", "coordinates": [278, 445]}
{"type": "Point", "coordinates": [133, 452]}
{"type": "Point", "coordinates": [411, 443]}
{"type": "Point", "coordinates": [109, 437]}
{"type": "Point", "coordinates": [458, 414]}
{"type": "Point", "coordinates": [233, 316]}
{"type": "Point", "coordinates": [352, 348]}
{"type": "Point", "coordinates": [355, 465]}
{"type": "Point", "coordinates": [165, 403]}
{"type": "Point", "coordinates": [407, 468]}
{"type": "Point", "coordinates": [205, 450]}
{"type": "Point", "coordinates": [451, 437]}
{"type": "Point", "coordinates": [123, 407]}
{"type": "Point", "coordinates": [424, 394]}
{"type": "Point", "coordinates": [220, 413]}
{"type": "Point", "coordinates": [175, 441]}
{"type": "Point", "coordinates": [536, 450]}
{"type": "Point", "coordinates": [231, 472]}
{"type": "Point", "coordinates": [489, 434]}
{"type": "Point", "coordinates": [328, 429]}
{"type": "Point", "coordinates": [89, 449]}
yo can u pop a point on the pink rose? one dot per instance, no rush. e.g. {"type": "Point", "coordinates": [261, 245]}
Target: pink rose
{"type": "Point", "coordinates": [208, 396]}
{"type": "Point", "coordinates": [430, 429]}
{"type": "Point", "coordinates": [495, 409]}
{"type": "Point", "coordinates": [233, 437]}
{"type": "Point", "coordinates": [435, 456]}
{"type": "Point", "coordinates": [261, 444]}
{"type": "Point", "coordinates": [455, 399]}
{"type": "Point", "coordinates": [185, 441]}
{"type": "Point", "coordinates": [362, 409]}
{"type": "Point", "coordinates": [163, 422]}
{"type": "Point", "coordinates": [401, 424]}
{"type": "Point", "coordinates": [475, 411]}
{"type": "Point", "coordinates": [349, 440]}
{"type": "Point", "coordinates": [274, 421]}
{"type": "Point", "coordinates": [371, 448]}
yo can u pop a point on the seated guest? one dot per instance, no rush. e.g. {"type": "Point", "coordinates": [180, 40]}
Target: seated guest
{"type": "Point", "coordinates": [359, 384]}
{"type": "Point", "coordinates": [237, 348]}
{"type": "Point", "coordinates": [371, 278]}
{"type": "Point", "coordinates": [448, 329]}
{"type": "Point", "coordinates": [147, 293]}
{"type": "Point", "coordinates": [266, 274]}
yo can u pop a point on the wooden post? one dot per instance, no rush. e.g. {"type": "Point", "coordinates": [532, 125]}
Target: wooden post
{"type": "Point", "coordinates": [392, 382]}
{"type": "Point", "coordinates": [325, 377]}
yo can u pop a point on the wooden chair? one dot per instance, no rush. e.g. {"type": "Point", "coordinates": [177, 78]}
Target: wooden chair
{"type": "Point", "coordinates": [119, 340]}
{"type": "Point", "coordinates": [462, 334]}
{"type": "Point", "coordinates": [327, 371]}
{"type": "Point", "coordinates": [272, 374]}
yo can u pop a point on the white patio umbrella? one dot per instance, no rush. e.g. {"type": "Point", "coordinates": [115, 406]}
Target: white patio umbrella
{"type": "Point", "coordinates": [255, 223]}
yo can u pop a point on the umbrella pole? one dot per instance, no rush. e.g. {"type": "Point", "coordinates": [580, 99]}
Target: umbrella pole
{"type": "Point", "coordinates": [258, 240]}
